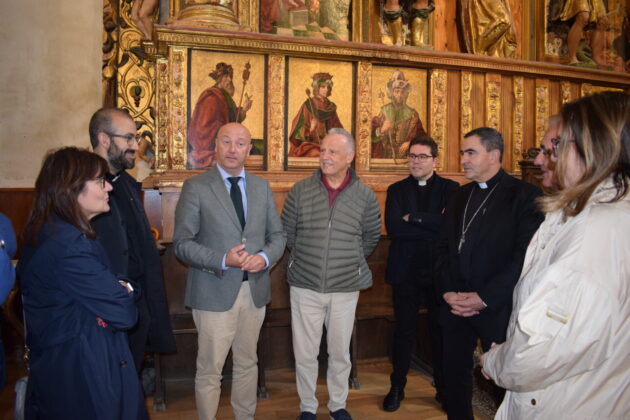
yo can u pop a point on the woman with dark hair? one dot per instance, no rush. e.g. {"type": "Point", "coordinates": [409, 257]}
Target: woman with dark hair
{"type": "Point", "coordinates": [76, 310]}
{"type": "Point", "coordinates": [567, 352]}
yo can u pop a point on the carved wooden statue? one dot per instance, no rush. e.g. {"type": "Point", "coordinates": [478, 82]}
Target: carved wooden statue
{"type": "Point", "coordinates": [581, 15]}
{"type": "Point", "coordinates": [334, 14]}
{"type": "Point", "coordinates": [392, 16]}
{"type": "Point", "coordinates": [395, 16]}
{"type": "Point", "coordinates": [488, 27]}
{"type": "Point", "coordinates": [141, 15]}
{"type": "Point", "coordinates": [419, 17]}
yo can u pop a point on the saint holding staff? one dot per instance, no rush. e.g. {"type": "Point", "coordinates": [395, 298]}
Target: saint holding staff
{"type": "Point", "coordinates": [316, 116]}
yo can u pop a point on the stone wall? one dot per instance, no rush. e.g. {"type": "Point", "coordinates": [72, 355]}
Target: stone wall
{"type": "Point", "coordinates": [50, 72]}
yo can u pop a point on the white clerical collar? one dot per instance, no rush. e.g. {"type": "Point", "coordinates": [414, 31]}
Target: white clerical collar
{"type": "Point", "coordinates": [423, 183]}
{"type": "Point", "coordinates": [482, 185]}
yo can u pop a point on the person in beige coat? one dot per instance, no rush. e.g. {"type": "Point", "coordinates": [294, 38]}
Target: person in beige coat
{"type": "Point", "coordinates": [567, 353]}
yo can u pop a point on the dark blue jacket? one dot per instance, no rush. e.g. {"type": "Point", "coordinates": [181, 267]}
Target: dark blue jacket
{"type": "Point", "coordinates": [7, 251]}
{"type": "Point", "coordinates": [76, 314]}
{"type": "Point", "coordinates": [7, 277]}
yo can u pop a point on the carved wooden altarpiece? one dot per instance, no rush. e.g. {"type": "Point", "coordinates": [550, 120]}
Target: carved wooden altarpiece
{"type": "Point", "coordinates": [159, 81]}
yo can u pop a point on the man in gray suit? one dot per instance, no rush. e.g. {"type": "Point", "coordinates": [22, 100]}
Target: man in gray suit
{"type": "Point", "coordinates": [228, 231]}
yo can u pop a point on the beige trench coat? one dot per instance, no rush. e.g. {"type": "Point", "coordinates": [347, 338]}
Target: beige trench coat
{"type": "Point", "coordinates": [567, 355]}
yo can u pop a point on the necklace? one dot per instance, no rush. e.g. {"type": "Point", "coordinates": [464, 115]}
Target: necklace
{"type": "Point", "coordinates": [465, 226]}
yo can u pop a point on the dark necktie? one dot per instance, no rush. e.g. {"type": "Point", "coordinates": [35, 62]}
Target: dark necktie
{"type": "Point", "coordinates": [237, 199]}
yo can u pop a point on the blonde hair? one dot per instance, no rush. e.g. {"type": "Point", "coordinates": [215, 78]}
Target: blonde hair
{"type": "Point", "coordinates": [594, 126]}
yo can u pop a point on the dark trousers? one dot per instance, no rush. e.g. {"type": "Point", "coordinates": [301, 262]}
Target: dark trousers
{"type": "Point", "coordinates": [407, 298]}
{"type": "Point", "coordinates": [459, 339]}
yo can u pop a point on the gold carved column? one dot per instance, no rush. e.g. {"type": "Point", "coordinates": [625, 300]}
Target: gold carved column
{"type": "Point", "coordinates": [517, 122]}
{"type": "Point", "coordinates": [364, 116]}
{"type": "Point", "coordinates": [437, 117]}
{"type": "Point", "coordinates": [162, 161]}
{"type": "Point", "coordinates": [542, 108]}
{"type": "Point", "coordinates": [275, 113]}
{"type": "Point", "coordinates": [178, 82]}
{"type": "Point", "coordinates": [466, 102]}
{"type": "Point", "coordinates": [493, 100]}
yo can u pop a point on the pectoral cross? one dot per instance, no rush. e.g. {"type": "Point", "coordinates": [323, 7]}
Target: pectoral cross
{"type": "Point", "coordinates": [462, 239]}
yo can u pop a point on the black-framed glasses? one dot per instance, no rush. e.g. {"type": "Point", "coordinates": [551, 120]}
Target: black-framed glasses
{"type": "Point", "coordinates": [422, 156]}
{"type": "Point", "coordinates": [549, 152]}
{"type": "Point", "coordinates": [546, 151]}
{"type": "Point", "coordinates": [131, 138]}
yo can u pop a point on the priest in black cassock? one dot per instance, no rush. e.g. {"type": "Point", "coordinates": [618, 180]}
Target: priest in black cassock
{"type": "Point", "coordinates": [125, 233]}
{"type": "Point", "coordinates": [413, 216]}
{"type": "Point", "coordinates": [479, 255]}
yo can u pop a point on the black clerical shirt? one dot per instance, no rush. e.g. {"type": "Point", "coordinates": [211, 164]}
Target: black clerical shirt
{"type": "Point", "coordinates": [476, 199]}
{"type": "Point", "coordinates": [424, 193]}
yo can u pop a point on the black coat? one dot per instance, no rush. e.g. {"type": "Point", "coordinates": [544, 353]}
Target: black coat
{"type": "Point", "coordinates": [114, 230]}
{"type": "Point", "coordinates": [411, 250]}
{"type": "Point", "coordinates": [504, 228]}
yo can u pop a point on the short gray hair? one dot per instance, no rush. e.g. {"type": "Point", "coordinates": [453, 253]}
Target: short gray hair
{"type": "Point", "coordinates": [346, 135]}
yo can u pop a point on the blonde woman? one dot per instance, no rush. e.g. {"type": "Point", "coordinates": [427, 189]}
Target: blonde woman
{"type": "Point", "coordinates": [567, 353]}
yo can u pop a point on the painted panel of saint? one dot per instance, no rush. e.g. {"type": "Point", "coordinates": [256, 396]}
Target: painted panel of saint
{"type": "Point", "coordinates": [399, 108]}
{"type": "Point", "coordinates": [324, 19]}
{"type": "Point", "coordinates": [317, 103]}
{"type": "Point", "coordinates": [221, 86]}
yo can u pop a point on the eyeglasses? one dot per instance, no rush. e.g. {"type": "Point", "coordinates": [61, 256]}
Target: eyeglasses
{"type": "Point", "coordinates": [131, 138]}
{"type": "Point", "coordinates": [422, 157]}
{"type": "Point", "coordinates": [549, 152]}
{"type": "Point", "coordinates": [101, 181]}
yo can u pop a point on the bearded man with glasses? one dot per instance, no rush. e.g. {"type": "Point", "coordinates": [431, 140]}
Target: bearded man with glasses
{"type": "Point", "coordinates": [413, 215]}
{"type": "Point", "coordinates": [126, 235]}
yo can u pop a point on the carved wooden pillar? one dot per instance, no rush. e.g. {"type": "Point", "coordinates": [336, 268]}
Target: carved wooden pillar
{"type": "Point", "coordinates": [275, 111]}
{"type": "Point", "coordinates": [437, 117]}
{"type": "Point", "coordinates": [493, 100]}
{"type": "Point", "coordinates": [542, 108]}
{"type": "Point", "coordinates": [518, 112]}
{"type": "Point", "coordinates": [529, 171]}
{"type": "Point", "coordinates": [364, 100]}
{"type": "Point", "coordinates": [466, 121]}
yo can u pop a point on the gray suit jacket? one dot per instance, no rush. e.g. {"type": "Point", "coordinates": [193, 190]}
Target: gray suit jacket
{"type": "Point", "coordinates": [206, 227]}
